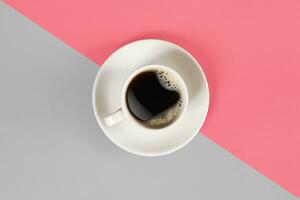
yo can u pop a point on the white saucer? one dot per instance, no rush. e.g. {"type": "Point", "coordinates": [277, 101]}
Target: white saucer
{"type": "Point", "coordinates": [107, 96]}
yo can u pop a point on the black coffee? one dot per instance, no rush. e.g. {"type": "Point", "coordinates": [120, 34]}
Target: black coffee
{"type": "Point", "coordinates": [154, 99]}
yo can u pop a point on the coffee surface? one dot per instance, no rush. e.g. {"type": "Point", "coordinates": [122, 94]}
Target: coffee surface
{"type": "Point", "coordinates": [154, 99]}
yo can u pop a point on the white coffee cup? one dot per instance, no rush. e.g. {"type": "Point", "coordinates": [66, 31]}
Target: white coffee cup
{"type": "Point", "coordinates": [123, 112]}
{"type": "Point", "coordinates": [113, 82]}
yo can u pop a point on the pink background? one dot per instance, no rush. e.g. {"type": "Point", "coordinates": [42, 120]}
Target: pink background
{"type": "Point", "coordinates": [249, 50]}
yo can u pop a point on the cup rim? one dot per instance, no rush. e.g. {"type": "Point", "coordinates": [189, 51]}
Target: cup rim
{"type": "Point", "coordinates": [141, 69]}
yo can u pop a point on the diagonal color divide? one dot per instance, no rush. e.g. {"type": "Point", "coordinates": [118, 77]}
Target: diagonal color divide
{"type": "Point", "coordinates": [249, 51]}
{"type": "Point", "coordinates": [50, 149]}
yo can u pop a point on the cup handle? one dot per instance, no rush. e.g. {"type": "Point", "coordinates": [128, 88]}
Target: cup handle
{"type": "Point", "coordinates": [114, 118]}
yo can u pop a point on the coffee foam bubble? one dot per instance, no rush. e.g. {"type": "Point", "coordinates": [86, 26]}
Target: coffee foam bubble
{"type": "Point", "coordinates": [167, 80]}
{"type": "Point", "coordinates": [166, 117]}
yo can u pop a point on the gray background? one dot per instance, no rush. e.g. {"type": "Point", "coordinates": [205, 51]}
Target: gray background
{"type": "Point", "coordinates": [52, 148]}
